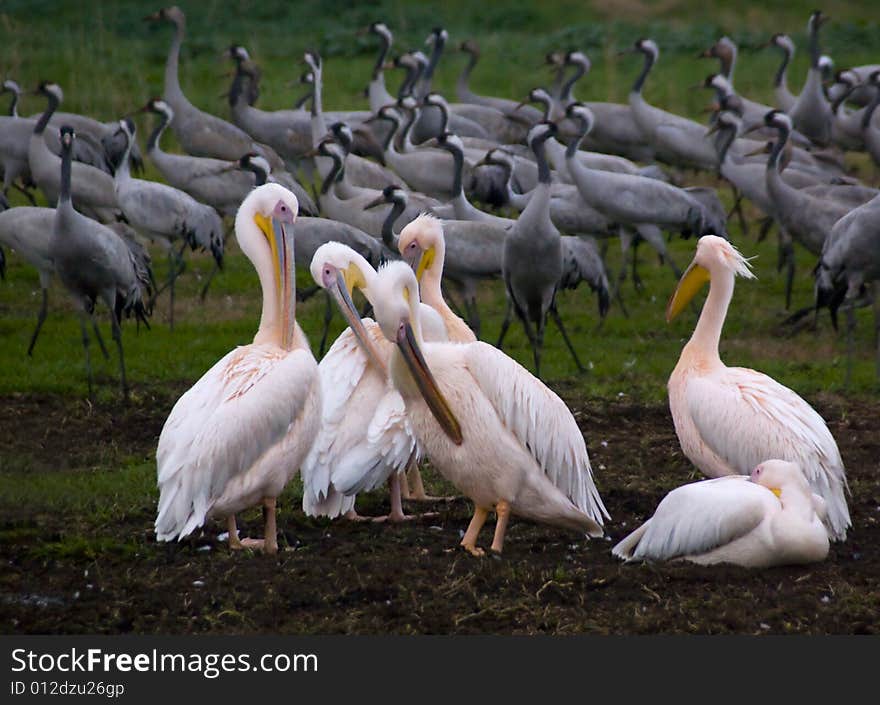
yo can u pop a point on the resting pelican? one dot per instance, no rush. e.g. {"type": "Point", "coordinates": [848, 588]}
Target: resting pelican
{"type": "Point", "coordinates": [488, 426]}
{"type": "Point", "coordinates": [358, 404]}
{"type": "Point", "coordinates": [730, 419]}
{"type": "Point", "coordinates": [239, 434]}
{"type": "Point", "coordinates": [770, 518]}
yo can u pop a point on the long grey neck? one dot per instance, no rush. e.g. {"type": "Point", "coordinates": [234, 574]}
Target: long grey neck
{"type": "Point", "coordinates": [336, 174]}
{"type": "Point", "coordinates": [780, 80]}
{"type": "Point", "coordinates": [565, 93]}
{"type": "Point", "coordinates": [428, 75]}
{"type": "Point", "coordinates": [47, 114]}
{"type": "Point", "coordinates": [384, 48]}
{"type": "Point", "coordinates": [458, 168]}
{"type": "Point", "coordinates": [122, 169]}
{"type": "Point", "coordinates": [66, 165]}
{"type": "Point", "coordinates": [815, 48]}
{"type": "Point", "coordinates": [13, 106]}
{"type": "Point", "coordinates": [397, 207]}
{"type": "Point", "coordinates": [156, 134]}
{"type": "Point", "coordinates": [646, 69]}
{"type": "Point", "coordinates": [461, 85]}
{"type": "Point", "coordinates": [172, 80]}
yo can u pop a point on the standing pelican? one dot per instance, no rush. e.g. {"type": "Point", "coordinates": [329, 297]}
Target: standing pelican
{"type": "Point", "coordinates": [488, 426]}
{"type": "Point", "coordinates": [359, 408]}
{"type": "Point", "coordinates": [730, 419]}
{"type": "Point", "coordinates": [240, 433]}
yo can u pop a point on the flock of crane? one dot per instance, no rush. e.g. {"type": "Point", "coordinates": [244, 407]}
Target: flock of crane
{"type": "Point", "coordinates": [397, 223]}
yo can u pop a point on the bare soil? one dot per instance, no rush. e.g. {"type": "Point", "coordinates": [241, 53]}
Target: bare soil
{"type": "Point", "coordinates": [73, 574]}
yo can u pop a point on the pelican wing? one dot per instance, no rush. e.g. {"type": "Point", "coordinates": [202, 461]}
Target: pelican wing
{"type": "Point", "coordinates": [541, 421]}
{"type": "Point", "coordinates": [364, 436]}
{"type": "Point", "coordinates": [747, 417]}
{"type": "Point", "coordinates": [698, 518]}
{"type": "Point", "coordinates": [218, 429]}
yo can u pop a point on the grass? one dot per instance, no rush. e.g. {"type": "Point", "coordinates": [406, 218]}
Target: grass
{"type": "Point", "coordinates": [109, 63]}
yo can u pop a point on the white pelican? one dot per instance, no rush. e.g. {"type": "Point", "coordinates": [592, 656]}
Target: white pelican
{"type": "Point", "coordinates": [359, 404]}
{"type": "Point", "coordinates": [730, 419]}
{"type": "Point", "coordinates": [502, 438]}
{"type": "Point", "coordinates": [240, 433]}
{"type": "Point", "coordinates": [422, 245]}
{"type": "Point", "coordinates": [767, 519]}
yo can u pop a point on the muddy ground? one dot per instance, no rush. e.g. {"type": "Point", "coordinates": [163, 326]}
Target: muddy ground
{"type": "Point", "coordinates": [370, 578]}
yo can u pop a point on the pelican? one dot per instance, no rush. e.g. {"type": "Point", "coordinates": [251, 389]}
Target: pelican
{"type": "Point", "coordinates": [240, 433]}
{"type": "Point", "coordinates": [769, 518]}
{"type": "Point", "coordinates": [359, 406]}
{"type": "Point", "coordinates": [489, 427]}
{"type": "Point", "coordinates": [730, 419]}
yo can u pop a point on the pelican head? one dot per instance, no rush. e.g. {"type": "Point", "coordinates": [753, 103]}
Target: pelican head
{"type": "Point", "coordinates": [778, 474]}
{"type": "Point", "coordinates": [264, 230]}
{"type": "Point", "coordinates": [714, 256]}
{"type": "Point", "coordinates": [339, 270]}
{"type": "Point", "coordinates": [396, 306]}
{"type": "Point", "coordinates": [420, 242]}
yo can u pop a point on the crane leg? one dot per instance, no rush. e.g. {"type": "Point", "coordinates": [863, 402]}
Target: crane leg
{"type": "Point", "coordinates": [41, 316]}
{"type": "Point", "coordinates": [211, 276]}
{"type": "Point", "coordinates": [789, 275]}
{"type": "Point", "coordinates": [850, 340]}
{"type": "Point", "coordinates": [766, 224]}
{"type": "Point", "coordinates": [637, 280]}
{"type": "Point", "coordinates": [737, 208]}
{"type": "Point", "coordinates": [558, 320]}
{"type": "Point", "coordinates": [469, 542]}
{"type": "Point", "coordinates": [877, 325]}
{"type": "Point", "coordinates": [27, 194]}
{"type": "Point", "coordinates": [502, 516]}
{"type": "Point", "coordinates": [328, 316]}
{"type": "Point", "coordinates": [117, 336]}
{"type": "Point", "coordinates": [505, 324]}
{"type": "Point", "coordinates": [100, 339]}
{"type": "Point", "coordinates": [473, 315]}
{"type": "Point", "coordinates": [85, 341]}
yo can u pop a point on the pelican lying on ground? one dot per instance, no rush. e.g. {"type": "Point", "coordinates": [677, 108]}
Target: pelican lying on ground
{"type": "Point", "coordinates": [359, 406]}
{"type": "Point", "coordinates": [770, 518]}
{"type": "Point", "coordinates": [488, 426]}
{"type": "Point", "coordinates": [730, 419]}
{"type": "Point", "coordinates": [240, 433]}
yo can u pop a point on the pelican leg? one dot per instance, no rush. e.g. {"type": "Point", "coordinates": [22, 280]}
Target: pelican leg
{"type": "Point", "coordinates": [234, 541]}
{"type": "Point", "coordinates": [85, 341]}
{"type": "Point", "coordinates": [269, 542]}
{"type": "Point", "coordinates": [41, 316]}
{"type": "Point", "coordinates": [418, 493]}
{"type": "Point", "coordinates": [502, 514]}
{"type": "Point", "coordinates": [328, 316]}
{"type": "Point", "coordinates": [117, 336]}
{"type": "Point", "coordinates": [558, 320]}
{"type": "Point", "coordinates": [469, 542]}
{"type": "Point", "coordinates": [505, 324]}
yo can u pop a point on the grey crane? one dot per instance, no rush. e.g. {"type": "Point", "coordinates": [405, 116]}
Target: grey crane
{"type": "Point", "coordinates": [165, 214]}
{"type": "Point", "coordinates": [849, 265]}
{"type": "Point", "coordinates": [214, 182]}
{"type": "Point", "coordinates": [871, 130]}
{"type": "Point", "coordinates": [846, 125]}
{"type": "Point", "coordinates": [15, 133]}
{"type": "Point", "coordinates": [676, 139]}
{"type": "Point", "coordinates": [204, 135]}
{"type": "Point", "coordinates": [95, 262]}
{"type": "Point", "coordinates": [784, 98]}
{"type": "Point", "coordinates": [811, 113]}
{"type": "Point", "coordinates": [532, 260]}
{"type": "Point", "coordinates": [725, 50]}
{"type": "Point", "coordinates": [92, 189]}
{"type": "Point", "coordinates": [377, 93]}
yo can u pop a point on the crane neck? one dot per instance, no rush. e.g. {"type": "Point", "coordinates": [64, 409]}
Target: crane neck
{"type": "Point", "coordinates": [444, 116]}
{"type": "Point", "coordinates": [409, 82]}
{"type": "Point", "coordinates": [13, 106]}
{"type": "Point", "coordinates": [707, 335]}
{"type": "Point", "coordinates": [462, 87]}
{"type": "Point", "coordinates": [51, 107]}
{"type": "Point", "coordinates": [156, 134]}
{"type": "Point", "coordinates": [66, 166]}
{"type": "Point", "coordinates": [397, 208]}
{"type": "Point", "coordinates": [457, 170]}
{"type": "Point", "coordinates": [646, 69]}
{"type": "Point", "coordinates": [384, 48]}
{"type": "Point", "coordinates": [392, 133]}
{"type": "Point", "coordinates": [428, 74]}
{"type": "Point", "coordinates": [869, 110]}
{"type": "Point", "coordinates": [780, 80]}
{"type": "Point", "coordinates": [122, 169]}
{"type": "Point", "coordinates": [407, 128]}
{"type": "Point", "coordinates": [539, 147]}
{"type": "Point", "coordinates": [172, 80]}
{"type": "Point", "coordinates": [565, 92]}
{"type": "Point", "coordinates": [778, 146]}
{"type": "Point", "coordinates": [336, 173]}
{"type": "Point", "coordinates": [573, 146]}
{"type": "Point", "coordinates": [815, 48]}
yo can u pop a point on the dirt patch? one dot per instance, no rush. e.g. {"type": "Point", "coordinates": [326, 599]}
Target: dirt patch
{"type": "Point", "coordinates": [69, 574]}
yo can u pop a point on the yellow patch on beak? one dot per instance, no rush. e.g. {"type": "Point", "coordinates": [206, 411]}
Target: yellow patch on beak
{"type": "Point", "coordinates": [265, 226]}
{"type": "Point", "coordinates": [354, 278]}
{"type": "Point", "coordinates": [425, 262]}
{"type": "Point", "coordinates": [776, 491]}
{"type": "Point", "coordinates": [406, 294]}
{"type": "Point", "coordinates": [694, 279]}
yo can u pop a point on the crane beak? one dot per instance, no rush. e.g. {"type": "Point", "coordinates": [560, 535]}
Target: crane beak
{"type": "Point", "coordinates": [694, 279]}
{"type": "Point", "coordinates": [380, 201]}
{"type": "Point", "coordinates": [155, 17]}
{"type": "Point", "coordinates": [706, 54]}
{"type": "Point", "coordinates": [338, 287]}
{"type": "Point", "coordinates": [415, 362]}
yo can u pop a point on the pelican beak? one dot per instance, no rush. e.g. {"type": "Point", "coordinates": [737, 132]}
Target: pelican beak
{"type": "Point", "coordinates": [281, 243]}
{"type": "Point", "coordinates": [691, 282]}
{"type": "Point", "coordinates": [415, 361]}
{"type": "Point", "coordinates": [338, 285]}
